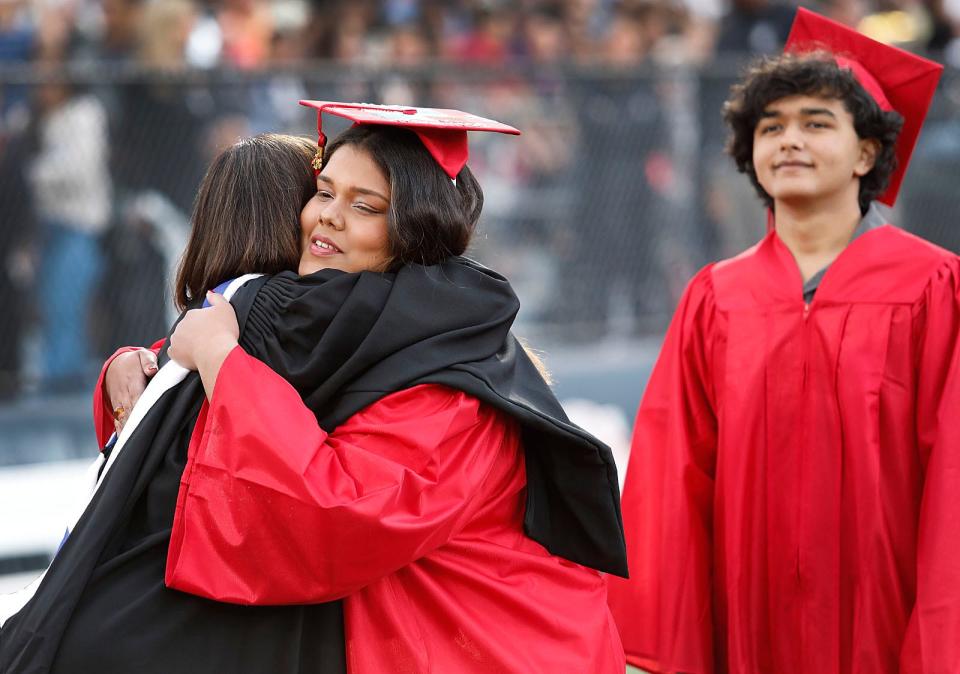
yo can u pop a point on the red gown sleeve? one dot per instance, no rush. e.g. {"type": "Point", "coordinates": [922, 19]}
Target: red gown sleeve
{"type": "Point", "coordinates": [273, 510]}
{"type": "Point", "coordinates": [102, 410]}
{"type": "Point", "coordinates": [664, 611]}
{"type": "Point", "coordinates": [932, 643]}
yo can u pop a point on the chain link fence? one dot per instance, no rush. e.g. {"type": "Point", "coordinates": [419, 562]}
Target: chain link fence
{"type": "Point", "coordinates": [615, 194]}
{"type": "Point", "coordinates": [617, 191]}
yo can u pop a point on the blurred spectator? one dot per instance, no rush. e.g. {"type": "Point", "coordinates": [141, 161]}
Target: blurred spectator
{"type": "Point", "coordinates": [545, 35]}
{"type": "Point", "coordinates": [339, 29]}
{"type": "Point", "coordinates": [71, 189]}
{"type": "Point", "coordinates": [755, 27]}
{"type": "Point", "coordinates": [618, 101]}
{"type": "Point", "coordinates": [611, 266]}
{"type": "Point", "coordinates": [272, 105]}
{"type": "Point", "coordinates": [527, 179]}
{"type": "Point", "coordinates": [401, 12]}
{"type": "Point", "coordinates": [291, 24]}
{"type": "Point", "coordinates": [848, 12]}
{"type": "Point", "coordinates": [949, 36]}
{"type": "Point", "coordinates": [142, 248]}
{"type": "Point", "coordinates": [161, 124]}
{"type": "Point", "coordinates": [586, 21]}
{"type": "Point", "coordinates": [941, 29]}
{"type": "Point", "coordinates": [17, 43]}
{"type": "Point", "coordinates": [17, 34]}
{"type": "Point", "coordinates": [408, 46]}
{"type": "Point", "coordinates": [118, 39]}
{"type": "Point", "coordinates": [247, 28]}
{"type": "Point", "coordinates": [166, 131]}
{"type": "Point", "coordinates": [626, 43]}
{"type": "Point", "coordinates": [488, 41]}
{"type": "Point", "coordinates": [700, 29]}
{"type": "Point", "coordinates": [17, 273]}
{"type": "Point", "coordinates": [163, 31]}
{"type": "Point", "coordinates": [408, 50]}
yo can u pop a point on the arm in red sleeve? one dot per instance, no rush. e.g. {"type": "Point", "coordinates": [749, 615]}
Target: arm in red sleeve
{"type": "Point", "coordinates": [932, 642]}
{"type": "Point", "coordinates": [273, 510]}
{"type": "Point", "coordinates": [664, 611]}
{"type": "Point", "coordinates": [102, 409]}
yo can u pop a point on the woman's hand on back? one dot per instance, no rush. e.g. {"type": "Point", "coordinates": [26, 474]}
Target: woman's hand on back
{"type": "Point", "coordinates": [126, 378]}
{"type": "Point", "coordinates": [204, 338]}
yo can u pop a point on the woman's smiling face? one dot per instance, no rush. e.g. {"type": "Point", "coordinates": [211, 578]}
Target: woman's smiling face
{"type": "Point", "coordinates": [345, 226]}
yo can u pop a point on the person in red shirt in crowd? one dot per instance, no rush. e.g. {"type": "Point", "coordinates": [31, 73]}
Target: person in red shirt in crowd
{"type": "Point", "coordinates": [371, 431]}
{"type": "Point", "coordinates": [790, 498]}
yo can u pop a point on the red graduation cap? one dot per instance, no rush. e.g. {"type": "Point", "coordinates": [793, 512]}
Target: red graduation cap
{"type": "Point", "coordinates": [897, 80]}
{"type": "Point", "coordinates": [443, 132]}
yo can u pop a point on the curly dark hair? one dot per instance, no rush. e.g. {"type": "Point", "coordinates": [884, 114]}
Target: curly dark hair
{"type": "Point", "coordinates": [811, 74]}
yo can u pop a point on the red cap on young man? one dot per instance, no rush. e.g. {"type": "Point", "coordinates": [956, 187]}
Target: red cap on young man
{"type": "Point", "coordinates": [443, 132]}
{"type": "Point", "coordinates": [896, 79]}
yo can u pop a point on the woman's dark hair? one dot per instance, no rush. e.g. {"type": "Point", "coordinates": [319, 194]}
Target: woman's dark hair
{"type": "Point", "coordinates": [246, 217]}
{"type": "Point", "coordinates": [430, 219]}
{"type": "Point", "coordinates": [810, 74]}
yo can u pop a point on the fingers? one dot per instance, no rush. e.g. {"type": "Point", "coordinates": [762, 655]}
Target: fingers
{"type": "Point", "coordinates": [202, 329]}
{"type": "Point", "coordinates": [148, 362]}
{"type": "Point", "coordinates": [216, 299]}
{"type": "Point", "coordinates": [175, 351]}
{"type": "Point", "coordinates": [122, 370]}
{"type": "Point", "coordinates": [133, 393]}
{"type": "Point", "coordinates": [121, 412]}
{"type": "Point", "coordinates": [127, 384]}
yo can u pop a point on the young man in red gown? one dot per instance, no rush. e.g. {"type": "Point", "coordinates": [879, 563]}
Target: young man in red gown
{"type": "Point", "coordinates": [789, 503]}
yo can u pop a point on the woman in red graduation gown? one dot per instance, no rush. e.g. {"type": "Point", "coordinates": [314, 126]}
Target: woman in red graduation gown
{"type": "Point", "coordinates": [420, 497]}
{"type": "Point", "coordinates": [790, 500]}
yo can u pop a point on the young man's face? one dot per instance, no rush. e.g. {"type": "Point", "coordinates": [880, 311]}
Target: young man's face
{"type": "Point", "coordinates": [805, 149]}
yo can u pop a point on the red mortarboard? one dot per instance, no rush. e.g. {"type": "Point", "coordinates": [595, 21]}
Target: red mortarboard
{"type": "Point", "coordinates": [443, 132]}
{"type": "Point", "coordinates": [896, 79]}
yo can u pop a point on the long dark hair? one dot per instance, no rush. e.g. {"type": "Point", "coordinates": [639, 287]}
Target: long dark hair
{"type": "Point", "coordinates": [246, 217]}
{"type": "Point", "coordinates": [812, 74]}
{"type": "Point", "coordinates": [430, 219]}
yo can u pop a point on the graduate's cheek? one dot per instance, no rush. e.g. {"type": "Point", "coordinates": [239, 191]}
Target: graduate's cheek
{"type": "Point", "coordinates": [834, 155]}
{"type": "Point", "coordinates": [309, 217]}
{"type": "Point", "coordinates": [369, 243]}
{"type": "Point", "coordinates": [761, 168]}
{"type": "Point", "coordinates": [765, 149]}
{"type": "Point", "coordinates": [785, 182]}
{"type": "Point", "coordinates": [771, 144]}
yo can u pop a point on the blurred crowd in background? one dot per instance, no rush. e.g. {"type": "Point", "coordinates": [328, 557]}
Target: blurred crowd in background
{"type": "Point", "coordinates": [253, 34]}
{"type": "Point", "coordinates": [110, 111]}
